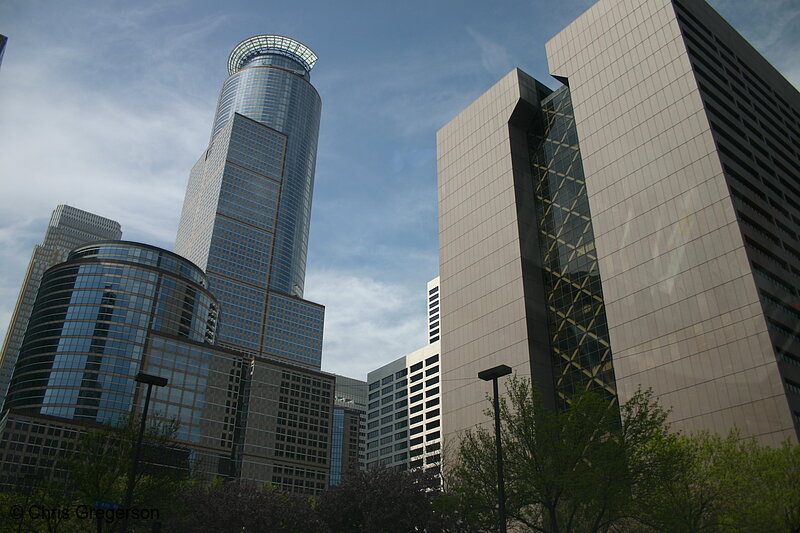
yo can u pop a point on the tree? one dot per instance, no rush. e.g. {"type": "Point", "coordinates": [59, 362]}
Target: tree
{"type": "Point", "coordinates": [238, 506]}
{"type": "Point", "coordinates": [725, 484]}
{"type": "Point", "coordinates": [95, 469]}
{"type": "Point", "coordinates": [565, 471]}
{"type": "Point", "coordinates": [99, 465]}
{"type": "Point", "coordinates": [381, 501]}
{"type": "Point", "coordinates": [768, 489]}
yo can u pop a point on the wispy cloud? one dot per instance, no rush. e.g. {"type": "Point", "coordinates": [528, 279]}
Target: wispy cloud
{"type": "Point", "coordinates": [494, 56]}
{"type": "Point", "coordinates": [771, 29]}
{"type": "Point", "coordinates": [95, 121]}
{"type": "Point", "coordinates": [368, 322]}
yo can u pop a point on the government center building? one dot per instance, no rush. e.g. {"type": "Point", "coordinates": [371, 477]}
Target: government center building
{"type": "Point", "coordinates": [638, 227]}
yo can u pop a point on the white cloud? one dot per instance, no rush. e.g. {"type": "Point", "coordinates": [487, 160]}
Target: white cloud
{"type": "Point", "coordinates": [97, 123]}
{"type": "Point", "coordinates": [494, 56]}
{"type": "Point", "coordinates": [368, 322]}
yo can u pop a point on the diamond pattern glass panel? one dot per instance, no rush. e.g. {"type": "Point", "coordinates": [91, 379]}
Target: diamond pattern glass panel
{"type": "Point", "coordinates": [576, 314]}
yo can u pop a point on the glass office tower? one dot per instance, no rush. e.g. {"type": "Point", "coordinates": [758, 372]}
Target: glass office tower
{"type": "Point", "coordinates": [68, 228]}
{"type": "Point", "coordinates": [89, 328]}
{"type": "Point", "coordinates": [246, 214]}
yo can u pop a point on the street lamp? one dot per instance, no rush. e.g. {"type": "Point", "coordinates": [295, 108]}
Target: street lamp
{"type": "Point", "coordinates": [149, 380]}
{"type": "Point", "coordinates": [492, 374]}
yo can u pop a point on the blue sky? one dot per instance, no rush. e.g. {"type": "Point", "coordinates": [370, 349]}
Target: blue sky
{"type": "Point", "coordinates": [106, 105]}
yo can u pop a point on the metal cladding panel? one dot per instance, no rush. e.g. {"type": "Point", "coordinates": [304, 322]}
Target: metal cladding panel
{"type": "Point", "coordinates": [482, 291]}
{"type": "Point", "coordinates": [684, 315]}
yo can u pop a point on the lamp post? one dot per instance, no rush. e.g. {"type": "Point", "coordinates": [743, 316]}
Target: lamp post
{"type": "Point", "coordinates": [149, 380]}
{"type": "Point", "coordinates": [492, 374]}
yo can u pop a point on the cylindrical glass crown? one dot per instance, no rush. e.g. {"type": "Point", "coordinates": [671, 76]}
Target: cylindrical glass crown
{"type": "Point", "coordinates": [270, 84]}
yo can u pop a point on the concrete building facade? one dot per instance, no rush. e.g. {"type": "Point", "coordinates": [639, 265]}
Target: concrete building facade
{"type": "Point", "coordinates": [433, 311]}
{"type": "Point", "coordinates": [404, 412]}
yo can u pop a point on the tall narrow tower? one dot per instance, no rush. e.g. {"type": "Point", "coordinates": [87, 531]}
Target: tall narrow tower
{"type": "Point", "coordinates": [246, 214]}
{"type": "Point", "coordinates": [68, 228]}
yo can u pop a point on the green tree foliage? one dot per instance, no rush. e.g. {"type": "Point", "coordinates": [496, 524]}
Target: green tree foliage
{"type": "Point", "coordinates": [724, 484]}
{"type": "Point", "coordinates": [96, 469]}
{"type": "Point", "coordinates": [598, 468]}
{"type": "Point", "coordinates": [565, 471]}
{"type": "Point", "coordinates": [381, 501]}
{"type": "Point", "coordinates": [239, 507]}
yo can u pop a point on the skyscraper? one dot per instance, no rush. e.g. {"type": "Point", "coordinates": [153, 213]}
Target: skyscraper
{"type": "Point", "coordinates": [116, 308]}
{"type": "Point", "coordinates": [68, 228]}
{"type": "Point", "coordinates": [246, 215]}
{"type": "Point", "coordinates": [433, 310]}
{"type": "Point", "coordinates": [255, 406]}
{"type": "Point", "coordinates": [245, 221]}
{"type": "Point", "coordinates": [348, 431]}
{"type": "Point", "coordinates": [403, 414]}
{"type": "Point", "coordinates": [638, 226]}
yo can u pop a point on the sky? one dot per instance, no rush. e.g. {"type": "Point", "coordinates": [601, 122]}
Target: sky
{"type": "Point", "coordinates": [105, 105]}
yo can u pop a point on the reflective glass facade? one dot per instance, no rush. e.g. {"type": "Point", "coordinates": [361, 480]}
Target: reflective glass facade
{"type": "Point", "coordinates": [89, 328]}
{"type": "Point", "coordinates": [337, 445]}
{"type": "Point", "coordinates": [247, 210]}
{"type": "Point", "coordinates": [69, 227]}
{"type": "Point", "coordinates": [348, 430]}
{"type": "Point", "coordinates": [576, 318]}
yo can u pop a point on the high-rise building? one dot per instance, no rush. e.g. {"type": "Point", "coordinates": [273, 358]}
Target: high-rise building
{"type": "Point", "coordinates": [3, 41]}
{"type": "Point", "coordinates": [403, 411]}
{"type": "Point", "coordinates": [403, 414]}
{"type": "Point", "coordinates": [112, 309]}
{"type": "Point", "coordinates": [116, 308]}
{"type": "Point", "coordinates": [68, 228]}
{"type": "Point", "coordinates": [348, 432]}
{"type": "Point", "coordinates": [245, 219]}
{"type": "Point", "coordinates": [638, 226]}
{"type": "Point", "coordinates": [255, 405]}
{"type": "Point", "coordinates": [433, 310]}
{"type": "Point", "coordinates": [245, 222]}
